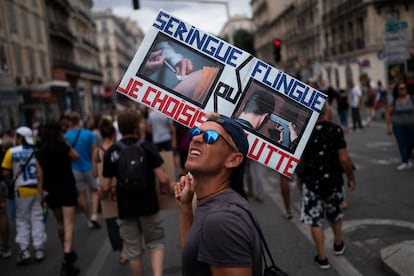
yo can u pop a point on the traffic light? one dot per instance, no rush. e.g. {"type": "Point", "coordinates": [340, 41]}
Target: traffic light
{"type": "Point", "coordinates": [136, 4]}
{"type": "Point", "coordinates": [277, 43]}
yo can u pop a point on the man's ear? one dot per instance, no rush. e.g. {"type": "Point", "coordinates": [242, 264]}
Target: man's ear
{"type": "Point", "coordinates": [234, 160]}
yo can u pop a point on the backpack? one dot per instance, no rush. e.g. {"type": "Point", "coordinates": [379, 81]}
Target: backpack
{"type": "Point", "coordinates": [131, 172]}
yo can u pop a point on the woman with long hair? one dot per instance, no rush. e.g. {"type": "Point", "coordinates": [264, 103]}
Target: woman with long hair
{"type": "Point", "coordinates": [400, 122]}
{"type": "Point", "coordinates": [57, 188]}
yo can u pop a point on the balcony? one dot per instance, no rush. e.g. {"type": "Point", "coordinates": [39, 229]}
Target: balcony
{"type": "Point", "coordinates": [62, 31]}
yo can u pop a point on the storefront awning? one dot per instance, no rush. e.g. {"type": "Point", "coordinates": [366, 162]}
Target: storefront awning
{"type": "Point", "coordinates": [51, 84]}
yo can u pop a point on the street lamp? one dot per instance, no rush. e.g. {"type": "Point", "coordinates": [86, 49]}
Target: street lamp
{"type": "Point", "coordinates": [225, 3]}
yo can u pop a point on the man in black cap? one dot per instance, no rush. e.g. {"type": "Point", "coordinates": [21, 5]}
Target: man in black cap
{"type": "Point", "coordinates": [219, 237]}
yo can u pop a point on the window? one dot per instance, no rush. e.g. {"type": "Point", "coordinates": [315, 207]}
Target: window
{"type": "Point", "coordinates": [18, 58]}
{"type": "Point", "coordinates": [11, 17]}
{"type": "Point", "coordinates": [360, 39]}
{"type": "Point", "coordinates": [26, 24]}
{"type": "Point", "coordinates": [348, 74]}
{"type": "Point", "coordinates": [3, 59]}
{"type": "Point", "coordinates": [337, 77]}
{"type": "Point", "coordinates": [393, 16]}
{"type": "Point", "coordinates": [104, 27]}
{"type": "Point", "coordinates": [43, 65]}
{"type": "Point", "coordinates": [32, 61]}
{"type": "Point", "coordinates": [110, 78]}
{"type": "Point", "coordinates": [39, 32]}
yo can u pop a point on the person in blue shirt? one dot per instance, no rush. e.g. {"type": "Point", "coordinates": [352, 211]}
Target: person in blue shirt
{"type": "Point", "coordinates": [84, 142]}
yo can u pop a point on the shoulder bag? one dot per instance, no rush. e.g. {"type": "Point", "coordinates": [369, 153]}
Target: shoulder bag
{"type": "Point", "coordinates": [270, 269]}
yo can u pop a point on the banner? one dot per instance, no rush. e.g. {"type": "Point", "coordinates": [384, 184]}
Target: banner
{"type": "Point", "coordinates": [277, 111]}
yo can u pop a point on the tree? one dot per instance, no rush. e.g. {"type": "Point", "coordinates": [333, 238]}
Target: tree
{"type": "Point", "coordinates": [243, 40]}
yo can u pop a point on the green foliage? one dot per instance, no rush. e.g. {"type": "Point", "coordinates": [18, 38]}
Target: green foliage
{"type": "Point", "coordinates": [243, 40]}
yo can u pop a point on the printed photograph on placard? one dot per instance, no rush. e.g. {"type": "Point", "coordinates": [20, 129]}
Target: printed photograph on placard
{"type": "Point", "coordinates": [272, 116]}
{"type": "Point", "coordinates": [181, 70]}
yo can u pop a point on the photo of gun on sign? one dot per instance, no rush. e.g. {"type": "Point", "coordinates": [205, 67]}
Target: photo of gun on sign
{"type": "Point", "coordinates": [284, 132]}
{"type": "Point", "coordinates": [272, 116]}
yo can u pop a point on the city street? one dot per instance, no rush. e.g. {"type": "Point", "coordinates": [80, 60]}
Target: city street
{"type": "Point", "coordinates": [380, 213]}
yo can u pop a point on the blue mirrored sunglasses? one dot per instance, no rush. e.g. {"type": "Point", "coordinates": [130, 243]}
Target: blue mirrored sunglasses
{"type": "Point", "coordinates": [210, 136]}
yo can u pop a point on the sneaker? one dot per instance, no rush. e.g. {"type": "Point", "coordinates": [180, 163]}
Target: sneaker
{"type": "Point", "coordinates": [24, 255]}
{"type": "Point", "coordinates": [93, 222]}
{"type": "Point", "coordinates": [288, 215]}
{"type": "Point", "coordinates": [5, 252]}
{"type": "Point", "coordinates": [68, 266]}
{"type": "Point", "coordinates": [39, 255]}
{"type": "Point", "coordinates": [339, 249]}
{"type": "Point", "coordinates": [323, 264]}
{"type": "Point", "coordinates": [404, 166]}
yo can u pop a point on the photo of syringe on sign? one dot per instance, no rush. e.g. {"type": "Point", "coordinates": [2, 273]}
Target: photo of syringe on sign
{"type": "Point", "coordinates": [272, 116]}
{"type": "Point", "coordinates": [180, 70]}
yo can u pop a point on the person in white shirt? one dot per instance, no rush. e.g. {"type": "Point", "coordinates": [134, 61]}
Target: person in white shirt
{"type": "Point", "coordinates": [356, 98]}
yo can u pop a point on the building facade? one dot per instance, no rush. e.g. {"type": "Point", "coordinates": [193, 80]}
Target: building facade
{"type": "Point", "coordinates": [48, 61]}
{"type": "Point", "coordinates": [356, 37]}
{"type": "Point", "coordinates": [24, 62]}
{"type": "Point", "coordinates": [337, 41]}
{"type": "Point", "coordinates": [87, 80]}
{"type": "Point", "coordinates": [118, 39]}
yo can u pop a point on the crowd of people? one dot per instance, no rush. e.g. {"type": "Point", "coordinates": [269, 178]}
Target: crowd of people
{"type": "Point", "coordinates": [92, 162]}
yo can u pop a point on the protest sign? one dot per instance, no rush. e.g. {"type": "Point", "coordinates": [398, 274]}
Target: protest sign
{"type": "Point", "coordinates": [277, 111]}
{"type": "Point", "coordinates": [165, 196]}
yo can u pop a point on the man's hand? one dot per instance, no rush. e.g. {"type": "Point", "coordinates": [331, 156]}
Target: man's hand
{"type": "Point", "coordinates": [184, 190]}
{"type": "Point", "coordinates": [293, 134]}
{"type": "Point", "coordinates": [351, 184]}
{"type": "Point", "coordinates": [154, 63]}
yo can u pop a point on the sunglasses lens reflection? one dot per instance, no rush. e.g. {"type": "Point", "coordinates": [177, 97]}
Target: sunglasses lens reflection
{"type": "Point", "coordinates": [194, 132]}
{"type": "Point", "coordinates": [209, 136]}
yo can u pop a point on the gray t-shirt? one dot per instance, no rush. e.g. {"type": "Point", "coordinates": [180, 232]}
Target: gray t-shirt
{"type": "Point", "coordinates": [403, 114]}
{"type": "Point", "coordinates": [160, 124]}
{"type": "Point", "coordinates": [222, 234]}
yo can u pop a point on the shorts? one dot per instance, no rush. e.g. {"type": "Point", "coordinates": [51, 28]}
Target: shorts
{"type": "Point", "coordinates": [58, 200]}
{"type": "Point", "coordinates": [85, 181]}
{"type": "Point", "coordinates": [140, 233]}
{"type": "Point", "coordinates": [314, 207]}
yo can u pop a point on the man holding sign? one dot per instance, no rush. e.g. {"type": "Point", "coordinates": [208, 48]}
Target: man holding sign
{"type": "Point", "coordinates": [219, 237]}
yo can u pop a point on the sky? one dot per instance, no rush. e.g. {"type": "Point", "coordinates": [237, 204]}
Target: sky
{"type": "Point", "coordinates": [209, 17]}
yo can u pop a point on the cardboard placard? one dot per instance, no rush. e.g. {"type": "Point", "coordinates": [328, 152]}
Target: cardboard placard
{"type": "Point", "coordinates": [167, 200]}
{"type": "Point", "coordinates": [226, 80]}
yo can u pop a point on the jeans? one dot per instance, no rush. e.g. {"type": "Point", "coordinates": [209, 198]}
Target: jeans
{"type": "Point", "coordinates": [356, 117]}
{"type": "Point", "coordinates": [343, 118]}
{"type": "Point", "coordinates": [405, 140]}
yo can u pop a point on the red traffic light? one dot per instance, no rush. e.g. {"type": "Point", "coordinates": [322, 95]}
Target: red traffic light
{"type": "Point", "coordinates": [277, 42]}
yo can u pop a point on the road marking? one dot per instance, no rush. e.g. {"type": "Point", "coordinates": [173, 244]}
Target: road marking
{"type": "Point", "coordinates": [96, 265]}
{"type": "Point", "coordinates": [340, 263]}
{"type": "Point", "coordinates": [380, 144]}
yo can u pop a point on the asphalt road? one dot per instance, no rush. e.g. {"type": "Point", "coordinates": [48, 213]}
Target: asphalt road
{"type": "Point", "coordinates": [380, 213]}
